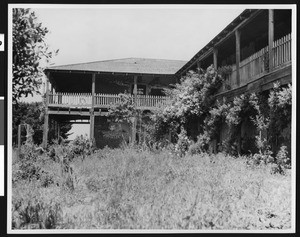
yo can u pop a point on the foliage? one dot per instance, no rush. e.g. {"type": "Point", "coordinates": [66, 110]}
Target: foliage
{"type": "Point", "coordinates": [82, 146]}
{"type": "Point", "coordinates": [225, 71]}
{"type": "Point", "coordinates": [124, 110]}
{"type": "Point", "coordinates": [201, 145]}
{"type": "Point", "coordinates": [183, 143]}
{"type": "Point", "coordinates": [263, 111]}
{"type": "Point", "coordinates": [132, 189]}
{"type": "Point", "coordinates": [282, 157]}
{"type": "Point", "coordinates": [33, 209]}
{"type": "Point", "coordinates": [191, 98]}
{"type": "Point", "coordinates": [280, 103]}
{"type": "Point", "coordinates": [28, 168]}
{"type": "Point", "coordinates": [217, 117]}
{"type": "Point", "coordinates": [30, 52]}
{"type": "Point", "coordinates": [33, 114]}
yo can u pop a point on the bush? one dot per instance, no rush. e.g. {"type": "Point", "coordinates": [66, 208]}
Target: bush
{"type": "Point", "coordinates": [201, 145]}
{"type": "Point", "coordinates": [82, 146]}
{"type": "Point", "coordinates": [27, 167]}
{"type": "Point", "coordinates": [282, 158]}
{"type": "Point", "coordinates": [183, 143]}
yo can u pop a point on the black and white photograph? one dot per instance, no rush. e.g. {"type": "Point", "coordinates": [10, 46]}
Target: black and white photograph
{"type": "Point", "coordinates": [135, 118]}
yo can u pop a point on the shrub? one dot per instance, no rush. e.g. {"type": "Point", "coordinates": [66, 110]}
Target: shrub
{"type": "Point", "coordinates": [201, 145]}
{"type": "Point", "coordinates": [282, 158]}
{"type": "Point", "coordinates": [183, 143]}
{"type": "Point", "coordinates": [282, 161]}
{"type": "Point", "coordinates": [82, 146]}
{"type": "Point", "coordinates": [26, 167]}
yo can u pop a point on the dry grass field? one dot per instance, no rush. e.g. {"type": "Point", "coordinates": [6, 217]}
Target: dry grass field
{"type": "Point", "coordinates": [134, 189]}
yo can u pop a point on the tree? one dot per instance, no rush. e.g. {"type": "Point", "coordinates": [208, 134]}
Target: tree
{"type": "Point", "coordinates": [30, 52]}
{"type": "Point", "coordinates": [33, 114]}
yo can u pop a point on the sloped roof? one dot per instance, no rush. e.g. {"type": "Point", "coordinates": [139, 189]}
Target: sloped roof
{"type": "Point", "coordinates": [229, 29]}
{"type": "Point", "coordinates": [126, 65]}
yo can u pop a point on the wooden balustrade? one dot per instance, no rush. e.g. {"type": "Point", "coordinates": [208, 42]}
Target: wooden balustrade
{"type": "Point", "coordinates": [257, 64]}
{"type": "Point", "coordinates": [254, 66]}
{"type": "Point", "coordinates": [72, 99]}
{"type": "Point", "coordinates": [103, 100]}
{"type": "Point", "coordinates": [282, 50]}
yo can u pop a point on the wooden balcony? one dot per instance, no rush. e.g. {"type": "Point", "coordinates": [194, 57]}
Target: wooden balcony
{"type": "Point", "coordinates": [102, 101]}
{"type": "Point", "coordinates": [257, 65]}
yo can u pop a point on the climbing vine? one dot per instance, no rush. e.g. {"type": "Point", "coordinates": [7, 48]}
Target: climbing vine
{"type": "Point", "coordinates": [191, 99]}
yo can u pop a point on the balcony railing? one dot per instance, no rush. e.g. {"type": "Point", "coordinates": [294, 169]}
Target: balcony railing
{"type": "Point", "coordinates": [257, 64]}
{"type": "Point", "coordinates": [84, 100]}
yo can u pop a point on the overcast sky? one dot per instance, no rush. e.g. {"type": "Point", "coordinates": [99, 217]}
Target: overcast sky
{"type": "Point", "coordinates": [102, 32]}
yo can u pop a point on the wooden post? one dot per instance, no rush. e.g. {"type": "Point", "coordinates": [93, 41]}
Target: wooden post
{"type": "Point", "coordinates": [55, 129]}
{"type": "Point", "coordinates": [135, 101]}
{"type": "Point", "coordinates": [19, 140]}
{"type": "Point", "coordinates": [170, 136]}
{"type": "Point", "coordinates": [58, 131]}
{"type": "Point", "coordinates": [46, 118]}
{"type": "Point", "coordinates": [271, 38]}
{"type": "Point", "coordinates": [199, 65]}
{"type": "Point", "coordinates": [215, 52]}
{"type": "Point", "coordinates": [92, 116]}
{"type": "Point", "coordinates": [237, 55]}
{"type": "Point", "coordinates": [51, 92]}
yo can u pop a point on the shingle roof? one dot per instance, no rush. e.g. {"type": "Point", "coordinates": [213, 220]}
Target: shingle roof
{"type": "Point", "coordinates": [126, 65]}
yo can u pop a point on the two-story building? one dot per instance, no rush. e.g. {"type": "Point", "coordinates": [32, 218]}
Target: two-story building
{"type": "Point", "coordinates": [256, 45]}
{"type": "Point", "coordinates": [83, 93]}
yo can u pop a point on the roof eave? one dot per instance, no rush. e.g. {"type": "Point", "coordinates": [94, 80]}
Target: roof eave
{"type": "Point", "coordinates": [228, 30]}
{"type": "Point", "coordinates": [107, 72]}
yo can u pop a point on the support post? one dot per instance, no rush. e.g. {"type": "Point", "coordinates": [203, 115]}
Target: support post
{"type": "Point", "coordinates": [92, 115]}
{"type": "Point", "coordinates": [215, 52]}
{"type": "Point", "coordinates": [51, 92]}
{"type": "Point", "coordinates": [19, 140]}
{"type": "Point", "coordinates": [134, 119]}
{"type": "Point", "coordinates": [58, 131]}
{"type": "Point", "coordinates": [198, 65]}
{"type": "Point", "coordinates": [46, 118]}
{"type": "Point", "coordinates": [237, 55]}
{"type": "Point", "coordinates": [271, 38]}
{"type": "Point", "coordinates": [170, 136]}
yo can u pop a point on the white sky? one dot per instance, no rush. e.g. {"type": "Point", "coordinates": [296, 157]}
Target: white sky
{"type": "Point", "coordinates": [102, 33]}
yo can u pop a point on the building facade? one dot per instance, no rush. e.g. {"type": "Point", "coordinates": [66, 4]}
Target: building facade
{"type": "Point", "coordinates": [255, 46]}
{"type": "Point", "coordinates": [255, 50]}
{"type": "Point", "coordinates": [83, 93]}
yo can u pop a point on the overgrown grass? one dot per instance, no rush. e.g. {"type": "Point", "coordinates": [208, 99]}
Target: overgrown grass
{"type": "Point", "coordinates": [131, 189]}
